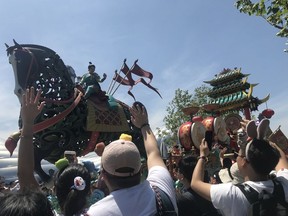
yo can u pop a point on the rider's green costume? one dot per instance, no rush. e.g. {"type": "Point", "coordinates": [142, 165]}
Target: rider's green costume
{"type": "Point", "coordinates": [90, 83]}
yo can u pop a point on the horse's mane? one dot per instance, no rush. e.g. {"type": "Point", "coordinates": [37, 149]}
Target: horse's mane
{"type": "Point", "coordinates": [34, 46]}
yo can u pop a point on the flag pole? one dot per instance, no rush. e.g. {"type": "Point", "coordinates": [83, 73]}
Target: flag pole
{"type": "Point", "coordinates": [111, 83]}
{"type": "Point", "coordinates": [109, 92]}
{"type": "Point", "coordinates": [122, 79]}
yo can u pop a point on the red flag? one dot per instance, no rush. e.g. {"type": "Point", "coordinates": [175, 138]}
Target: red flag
{"type": "Point", "coordinates": [148, 85]}
{"type": "Point", "coordinates": [279, 138]}
{"type": "Point", "coordinates": [136, 69]}
{"type": "Point", "coordinates": [118, 78]}
{"type": "Point", "coordinates": [125, 69]}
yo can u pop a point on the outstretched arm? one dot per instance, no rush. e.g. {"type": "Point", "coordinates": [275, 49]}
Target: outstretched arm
{"type": "Point", "coordinates": [104, 78]}
{"type": "Point", "coordinates": [283, 162]}
{"type": "Point", "coordinates": [29, 110]}
{"type": "Point", "coordinates": [140, 119]}
{"type": "Point", "coordinates": [197, 183]}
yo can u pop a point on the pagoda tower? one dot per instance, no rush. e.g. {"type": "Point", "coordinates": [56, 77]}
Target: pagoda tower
{"type": "Point", "coordinates": [231, 92]}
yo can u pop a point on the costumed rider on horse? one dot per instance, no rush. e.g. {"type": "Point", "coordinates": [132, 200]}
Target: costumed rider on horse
{"type": "Point", "coordinates": [90, 83]}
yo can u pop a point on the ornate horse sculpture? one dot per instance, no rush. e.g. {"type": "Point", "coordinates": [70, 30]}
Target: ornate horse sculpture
{"type": "Point", "coordinates": [62, 125]}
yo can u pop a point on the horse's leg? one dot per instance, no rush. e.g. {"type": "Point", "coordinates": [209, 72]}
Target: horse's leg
{"type": "Point", "coordinates": [11, 142]}
{"type": "Point", "coordinates": [38, 156]}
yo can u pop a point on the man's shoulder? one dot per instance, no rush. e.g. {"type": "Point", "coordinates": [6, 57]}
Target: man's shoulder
{"type": "Point", "coordinates": [100, 207]}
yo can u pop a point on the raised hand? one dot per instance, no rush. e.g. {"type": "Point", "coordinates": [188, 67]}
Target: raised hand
{"type": "Point", "coordinates": [139, 116]}
{"type": "Point", "coordinates": [30, 105]}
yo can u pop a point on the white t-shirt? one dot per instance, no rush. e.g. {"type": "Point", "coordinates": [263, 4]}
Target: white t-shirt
{"type": "Point", "coordinates": [138, 200]}
{"type": "Point", "coordinates": [230, 200]}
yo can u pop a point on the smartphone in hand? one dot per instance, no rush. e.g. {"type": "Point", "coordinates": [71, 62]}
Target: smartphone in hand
{"type": "Point", "coordinates": [209, 138]}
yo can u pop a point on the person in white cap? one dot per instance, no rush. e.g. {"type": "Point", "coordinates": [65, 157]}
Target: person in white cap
{"type": "Point", "coordinates": [121, 163]}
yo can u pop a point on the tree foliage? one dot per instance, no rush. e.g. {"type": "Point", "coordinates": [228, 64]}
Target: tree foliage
{"type": "Point", "coordinates": [175, 116]}
{"type": "Point", "coordinates": [275, 12]}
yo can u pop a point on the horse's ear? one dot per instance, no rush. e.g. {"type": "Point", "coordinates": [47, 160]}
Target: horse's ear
{"type": "Point", "coordinates": [16, 44]}
{"type": "Point", "coordinates": [6, 45]}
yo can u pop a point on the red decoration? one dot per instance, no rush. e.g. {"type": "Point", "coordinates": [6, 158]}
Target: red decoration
{"type": "Point", "coordinates": [197, 119]}
{"type": "Point", "coordinates": [268, 113]}
{"type": "Point", "coordinates": [99, 148]}
{"type": "Point", "coordinates": [208, 122]}
{"type": "Point", "coordinates": [184, 135]}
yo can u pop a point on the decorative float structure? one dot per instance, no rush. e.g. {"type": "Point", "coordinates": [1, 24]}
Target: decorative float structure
{"type": "Point", "coordinates": [230, 94]}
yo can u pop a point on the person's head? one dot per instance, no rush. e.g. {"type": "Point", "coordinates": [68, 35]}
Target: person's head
{"type": "Point", "coordinates": [121, 163]}
{"type": "Point", "coordinates": [215, 178]}
{"type": "Point", "coordinates": [260, 155]}
{"type": "Point", "coordinates": [227, 163]}
{"type": "Point", "coordinates": [72, 186]}
{"type": "Point", "coordinates": [25, 203]}
{"type": "Point", "coordinates": [91, 67]}
{"type": "Point", "coordinates": [186, 167]}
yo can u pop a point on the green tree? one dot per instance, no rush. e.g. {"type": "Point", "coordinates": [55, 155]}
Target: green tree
{"type": "Point", "coordinates": [175, 116]}
{"type": "Point", "coordinates": [275, 12]}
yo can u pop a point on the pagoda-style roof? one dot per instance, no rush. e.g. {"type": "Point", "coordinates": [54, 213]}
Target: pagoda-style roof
{"type": "Point", "coordinates": [228, 89]}
{"type": "Point", "coordinates": [231, 92]}
{"type": "Point", "coordinates": [235, 97]}
{"type": "Point", "coordinates": [238, 100]}
{"type": "Point", "coordinates": [226, 76]}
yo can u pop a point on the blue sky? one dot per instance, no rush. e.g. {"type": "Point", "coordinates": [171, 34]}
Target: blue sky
{"type": "Point", "coordinates": [182, 43]}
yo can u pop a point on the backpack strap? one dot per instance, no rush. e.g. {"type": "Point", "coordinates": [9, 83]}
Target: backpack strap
{"type": "Point", "coordinates": [163, 203]}
{"type": "Point", "coordinates": [253, 197]}
{"type": "Point", "coordinates": [229, 172]}
{"type": "Point", "coordinates": [250, 193]}
{"type": "Point", "coordinates": [279, 194]}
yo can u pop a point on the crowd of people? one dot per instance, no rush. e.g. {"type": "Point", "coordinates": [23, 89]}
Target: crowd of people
{"type": "Point", "coordinates": [125, 185]}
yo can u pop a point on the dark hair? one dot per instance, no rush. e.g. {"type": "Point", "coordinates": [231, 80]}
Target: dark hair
{"type": "Point", "coordinates": [262, 156]}
{"type": "Point", "coordinates": [216, 176]}
{"type": "Point", "coordinates": [123, 182]}
{"type": "Point", "coordinates": [227, 163]}
{"type": "Point", "coordinates": [91, 65]}
{"type": "Point", "coordinates": [186, 166]}
{"type": "Point", "coordinates": [71, 200]}
{"type": "Point", "coordinates": [25, 203]}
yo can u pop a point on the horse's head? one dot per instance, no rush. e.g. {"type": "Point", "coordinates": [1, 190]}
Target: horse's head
{"type": "Point", "coordinates": [41, 67]}
{"type": "Point", "coordinates": [72, 73]}
{"type": "Point", "coordinates": [23, 63]}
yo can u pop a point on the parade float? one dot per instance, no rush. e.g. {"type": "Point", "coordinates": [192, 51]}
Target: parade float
{"type": "Point", "coordinates": [230, 99]}
{"type": "Point", "coordinates": [69, 121]}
